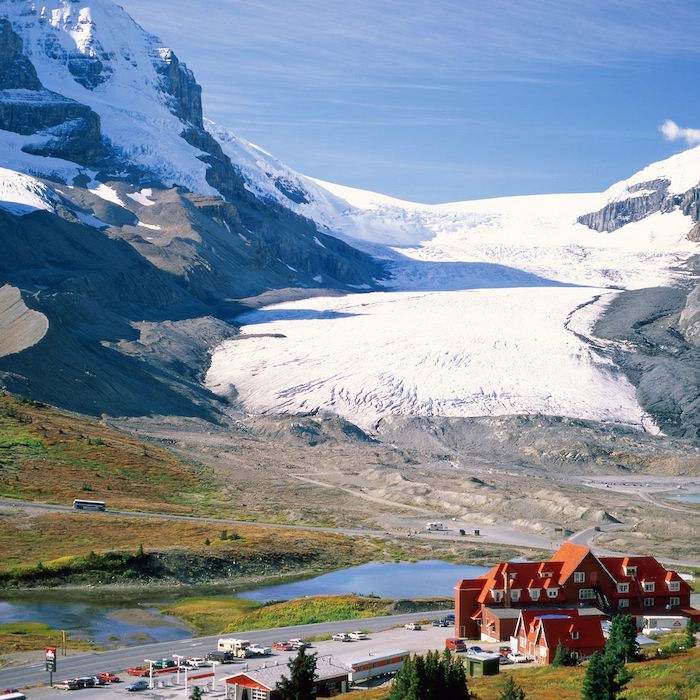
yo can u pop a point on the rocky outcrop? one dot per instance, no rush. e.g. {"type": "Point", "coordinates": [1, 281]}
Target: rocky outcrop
{"type": "Point", "coordinates": [689, 321]}
{"type": "Point", "coordinates": [645, 199]}
{"type": "Point", "coordinates": [179, 82]}
{"type": "Point", "coordinates": [16, 70]}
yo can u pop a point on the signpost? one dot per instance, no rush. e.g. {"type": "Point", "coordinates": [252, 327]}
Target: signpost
{"type": "Point", "coordinates": [50, 663]}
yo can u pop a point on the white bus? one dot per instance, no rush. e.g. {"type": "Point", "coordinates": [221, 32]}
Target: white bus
{"type": "Point", "coordinates": [374, 665]}
{"type": "Point", "coordinates": [81, 504]}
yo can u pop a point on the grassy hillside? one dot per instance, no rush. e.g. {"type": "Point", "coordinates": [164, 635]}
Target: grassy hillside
{"type": "Point", "coordinates": [52, 456]}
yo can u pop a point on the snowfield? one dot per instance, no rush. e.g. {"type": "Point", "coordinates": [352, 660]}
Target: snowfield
{"type": "Point", "coordinates": [21, 194]}
{"type": "Point", "coordinates": [465, 353]}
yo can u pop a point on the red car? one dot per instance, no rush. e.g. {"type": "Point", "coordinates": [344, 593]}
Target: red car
{"type": "Point", "coordinates": [138, 671]}
{"type": "Point", "coordinates": [108, 677]}
{"type": "Point", "coordinates": [283, 646]}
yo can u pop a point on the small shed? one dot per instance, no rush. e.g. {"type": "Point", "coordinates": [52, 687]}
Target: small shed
{"type": "Point", "coordinates": [482, 664]}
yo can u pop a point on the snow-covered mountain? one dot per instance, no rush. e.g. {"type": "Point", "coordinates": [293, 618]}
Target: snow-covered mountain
{"type": "Point", "coordinates": [133, 225]}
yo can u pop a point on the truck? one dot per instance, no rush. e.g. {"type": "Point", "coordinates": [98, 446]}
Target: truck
{"type": "Point", "coordinates": [221, 657]}
{"type": "Point", "coordinates": [434, 527]}
{"type": "Point", "coordinates": [239, 648]}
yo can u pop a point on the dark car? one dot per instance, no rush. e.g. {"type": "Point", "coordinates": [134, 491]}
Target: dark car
{"type": "Point", "coordinates": [222, 657]}
{"type": "Point", "coordinates": [85, 682]}
{"type": "Point", "coordinates": [137, 685]}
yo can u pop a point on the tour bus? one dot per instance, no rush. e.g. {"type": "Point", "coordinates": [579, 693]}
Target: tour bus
{"type": "Point", "coordinates": [374, 665]}
{"type": "Point", "coordinates": [81, 504]}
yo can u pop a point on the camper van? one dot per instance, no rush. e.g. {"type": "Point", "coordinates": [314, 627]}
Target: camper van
{"type": "Point", "coordinates": [432, 527]}
{"type": "Point", "coordinates": [240, 648]}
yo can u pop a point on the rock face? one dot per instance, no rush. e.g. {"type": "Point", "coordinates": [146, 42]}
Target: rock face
{"type": "Point", "coordinates": [16, 70]}
{"type": "Point", "coordinates": [179, 82]}
{"type": "Point", "coordinates": [689, 322]}
{"type": "Point", "coordinates": [645, 198]}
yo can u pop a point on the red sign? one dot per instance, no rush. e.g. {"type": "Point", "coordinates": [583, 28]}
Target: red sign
{"type": "Point", "coordinates": [50, 653]}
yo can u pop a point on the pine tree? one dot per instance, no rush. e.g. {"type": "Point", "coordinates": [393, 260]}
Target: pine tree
{"type": "Point", "coordinates": [196, 693]}
{"type": "Point", "coordinates": [300, 684]}
{"type": "Point", "coordinates": [511, 690]}
{"type": "Point", "coordinates": [623, 638]}
{"type": "Point", "coordinates": [432, 677]}
{"type": "Point", "coordinates": [595, 680]}
{"type": "Point", "coordinates": [690, 631]}
{"type": "Point", "coordinates": [559, 656]}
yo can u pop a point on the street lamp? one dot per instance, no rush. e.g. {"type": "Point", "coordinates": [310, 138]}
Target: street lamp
{"type": "Point", "coordinates": [179, 659]}
{"type": "Point", "coordinates": [213, 669]}
{"type": "Point", "coordinates": [150, 663]}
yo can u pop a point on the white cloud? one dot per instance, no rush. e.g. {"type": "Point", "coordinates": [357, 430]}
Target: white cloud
{"type": "Point", "coordinates": [673, 132]}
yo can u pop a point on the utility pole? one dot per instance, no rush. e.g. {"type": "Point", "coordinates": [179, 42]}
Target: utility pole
{"type": "Point", "coordinates": [150, 663]}
{"type": "Point", "coordinates": [179, 659]}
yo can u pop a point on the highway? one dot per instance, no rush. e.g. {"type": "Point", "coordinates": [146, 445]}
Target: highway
{"type": "Point", "coordinates": [91, 663]}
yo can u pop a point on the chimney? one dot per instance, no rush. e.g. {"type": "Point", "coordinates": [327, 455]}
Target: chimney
{"type": "Point", "coordinates": [506, 589]}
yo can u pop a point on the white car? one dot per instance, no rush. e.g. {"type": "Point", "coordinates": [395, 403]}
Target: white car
{"type": "Point", "coordinates": [357, 635]}
{"type": "Point", "coordinates": [260, 649]}
{"type": "Point", "coordinates": [342, 637]}
{"type": "Point", "coordinates": [518, 658]}
{"type": "Point", "coordinates": [196, 662]}
{"type": "Point", "coordinates": [412, 626]}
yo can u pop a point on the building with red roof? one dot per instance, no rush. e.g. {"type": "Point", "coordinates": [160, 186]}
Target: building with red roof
{"type": "Point", "coordinates": [574, 576]}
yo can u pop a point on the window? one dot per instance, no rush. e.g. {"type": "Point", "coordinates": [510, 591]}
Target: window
{"type": "Point", "coordinates": [579, 576]}
{"type": "Point", "coordinates": [649, 586]}
{"type": "Point", "coordinates": [534, 593]}
{"type": "Point", "coordinates": [546, 574]}
{"type": "Point", "coordinates": [552, 592]}
{"type": "Point", "coordinates": [515, 595]}
{"type": "Point", "coordinates": [623, 588]}
{"type": "Point", "coordinates": [575, 634]}
{"type": "Point", "coordinates": [674, 601]}
{"type": "Point", "coordinates": [574, 654]}
{"type": "Point", "coordinates": [674, 586]}
{"type": "Point", "coordinates": [497, 595]}
{"type": "Point", "coordinates": [586, 594]}
{"type": "Point", "coordinates": [630, 570]}
{"type": "Point", "coordinates": [648, 602]}
{"type": "Point", "coordinates": [258, 694]}
{"type": "Point", "coordinates": [623, 603]}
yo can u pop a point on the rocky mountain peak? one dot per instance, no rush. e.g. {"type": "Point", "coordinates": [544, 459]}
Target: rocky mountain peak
{"type": "Point", "coordinates": [16, 70]}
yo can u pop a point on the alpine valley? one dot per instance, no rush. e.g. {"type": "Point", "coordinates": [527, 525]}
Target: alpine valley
{"type": "Point", "coordinates": [336, 355]}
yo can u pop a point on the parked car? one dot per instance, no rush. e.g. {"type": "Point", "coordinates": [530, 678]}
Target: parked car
{"type": "Point", "coordinates": [298, 643]}
{"type": "Point", "coordinates": [504, 650]}
{"type": "Point", "coordinates": [518, 658]}
{"type": "Point", "coordinates": [85, 682]}
{"type": "Point", "coordinates": [342, 637]}
{"type": "Point", "coordinates": [440, 623]}
{"type": "Point", "coordinates": [455, 644]}
{"type": "Point", "coordinates": [137, 685]}
{"type": "Point", "coordinates": [108, 677]}
{"type": "Point", "coordinates": [222, 657]}
{"type": "Point", "coordinates": [99, 680]}
{"type": "Point", "coordinates": [164, 663]}
{"type": "Point", "coordinates": [138, 671]}
{"type": "Point", "coordinates": [357, 635]}
{"type": "Point", "coordinates": [450, 617]}
{"type": "Point", "coordinates": [196, 662]}
{"type": "Point", "coordinates": [474, 650]}
{"type": "Point", "coordinates": [68, 684]}
{"type": "Point", "coordinates": [283, 646]}
{"type": "Point", "coordinates": [504, 660]}
{"type": "Point", "coordinates": [412, 626]}
{"type": "Point", "coordinates": [260, 649]}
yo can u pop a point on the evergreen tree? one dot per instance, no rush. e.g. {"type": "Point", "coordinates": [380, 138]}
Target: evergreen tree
{"type": "Point", "coordinates": [595, 680]}
{"type": "Point", "coordinates": [511, 690]}
{"type": "Point", "coordinates": [690, 631]}
{"type": "Point", "coordinates": [432, 677]}
{"type": "Point", "coordinates": [622, 641]}
{"type": "Point", "coordinates": [300, 684]}
{"type": "Point", "coordinates": [196, 693]}
{"type": "Point", "coordinates": [559, 656]}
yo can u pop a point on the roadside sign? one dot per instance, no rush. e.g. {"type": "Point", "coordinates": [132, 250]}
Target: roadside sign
{"type": "Point", "coordinates": [50, 664]}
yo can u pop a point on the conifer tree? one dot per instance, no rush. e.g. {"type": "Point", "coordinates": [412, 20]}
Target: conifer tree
{"type": "Point", "coordinates": [300, 684]}
{"type": "Point", "coordinates": [511, 690]}
{"type": "Point", "coordinates": [595, 680]}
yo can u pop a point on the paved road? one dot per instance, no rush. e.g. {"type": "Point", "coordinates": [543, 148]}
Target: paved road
{"type": "Point", "coordinates": [119, 659]}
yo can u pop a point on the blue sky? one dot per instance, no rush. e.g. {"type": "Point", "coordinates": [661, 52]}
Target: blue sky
{"type": "Point", "coordinates": [439, 100]}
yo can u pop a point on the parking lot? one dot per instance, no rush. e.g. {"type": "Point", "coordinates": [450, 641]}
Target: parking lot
{"type": "Point", "coordinates": [166, 688]}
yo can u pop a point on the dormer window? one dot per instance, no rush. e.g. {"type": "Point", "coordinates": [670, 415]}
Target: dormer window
{"type": "Point", "coordinates": [552, 592]}
{"type": "Point", "coordinates": [630, 570]}
{"type": "Point", "coordinates": [515, 595]}
{"type": "Point", "coordinates": [546, 574]}
{"type": "Point", "coordinates": [534, 593]}
{"type": "Point", "coordinates": [649, 586]}
{"type": "Point", "coordinates": [497, 596]}
{"type": "Point", "coordinates": [623, 588]}
{"type": "Point", "coordinates": [674, 586]}
{"type": "Point", "coordinates": [579, 576]}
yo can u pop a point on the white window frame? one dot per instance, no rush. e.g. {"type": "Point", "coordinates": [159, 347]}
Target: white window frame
{"type": "Point", "coordinates": [674, 601]}
{"type": "Point", "coordinates": [552, 592]}
{"type": "Point", "coordinates": [649, 586]}
{"type": "Point", "coordinates": [623, 603]}
{"type": "Point", "coordinates": [623, 588]}
{"type": "Point", "coordinates": [649, 602]}
{"type": "Point", "coordinates": [630, 571]}
{"type": "Point", "coordinates": [586, 594]}
{"type": "Point", "coordinates": [258, 694]}
{"type": "Point", "coordinates": [575, 634]}
{"type": "Point", "coordinates": [515, 595]}
{"type": "Point", "coordinates": [579, 576]}
{"type": "Point", "coordinates": [497, 595]}
{"type": "Point", "coordinates": [674, 586]}
{"type": "Point", "coordinates": [534, 593]}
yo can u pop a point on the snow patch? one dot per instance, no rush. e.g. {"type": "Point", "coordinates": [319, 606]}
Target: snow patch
{"type": "Point", "coordinates": [142, 197]}
{"type": "Point", "coordinates": [21, 194]}
{"type": "Point", "coordinates": [107, 193]}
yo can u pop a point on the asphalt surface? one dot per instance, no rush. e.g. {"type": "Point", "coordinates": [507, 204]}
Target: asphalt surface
{"type": "Point", "coordinates": [116, 660]}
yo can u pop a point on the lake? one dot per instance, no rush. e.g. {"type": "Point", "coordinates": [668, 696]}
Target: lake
{"type": "Point", "coordinates": [125, 623]}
